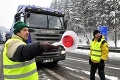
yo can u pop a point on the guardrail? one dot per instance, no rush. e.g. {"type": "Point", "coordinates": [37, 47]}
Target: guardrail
{"type": "Point", "coordinates": [111, 49]}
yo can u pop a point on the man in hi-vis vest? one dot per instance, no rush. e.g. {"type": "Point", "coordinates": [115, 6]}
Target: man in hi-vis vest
{"type": "Point", "coordinates": [98, 54]}
{"type": "Point", "coordinates": [18, 57]}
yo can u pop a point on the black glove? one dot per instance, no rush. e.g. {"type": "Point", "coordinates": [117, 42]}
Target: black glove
{"type": "Point", "coordinates": [101, 63]}
{"type": "Point", "coordinates": [90, 61]}
{"type": "Point", "coordinates": [47, 46]}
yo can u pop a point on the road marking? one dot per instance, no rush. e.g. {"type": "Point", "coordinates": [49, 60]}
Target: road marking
{"type": "Point", "coordinates": [70, 68]}
{"type": "Point", "coordinates": [86, 62]}
{"type": "Point", "coordinates": [75, 75]}
{"type": "Point", "coordinates": [113, 67]}
{"type": "Point", "coordinates": [87, 72]}
{"type": "Point", "coordinates": [108, 77]}
{"type": "Point", "coordinates": [55, 74]}
{"type": "Point", "coordinates": [77, 60]}
{"type": "Point", "coordinates": [65, 64]}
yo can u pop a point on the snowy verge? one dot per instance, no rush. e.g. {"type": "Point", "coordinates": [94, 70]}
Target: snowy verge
{"type": "Point", "coordinates": [112, 55]}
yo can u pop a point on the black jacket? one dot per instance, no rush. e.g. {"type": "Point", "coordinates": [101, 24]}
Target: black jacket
{"type": "Point", "coordinates": [26, 52]}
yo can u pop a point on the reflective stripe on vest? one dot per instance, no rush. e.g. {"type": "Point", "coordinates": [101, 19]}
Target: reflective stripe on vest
{"type": "Point", "coordinates": [18, 65]}
{"type": "Point", "coordinates": [18, 70]}
{"type": "Point", "coordinates": [96, 55]}
{"type": "Point", "coordinates": [21, 75]}
{"type": "Point", "coordinates": [96, 51]}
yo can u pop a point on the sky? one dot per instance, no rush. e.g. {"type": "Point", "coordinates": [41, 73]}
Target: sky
{"type": "Point", "coordinates": [8, 9]}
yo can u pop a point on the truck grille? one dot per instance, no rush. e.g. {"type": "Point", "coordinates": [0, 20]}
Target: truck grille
{"type": "Point", "coordinates": [36, 35]}
{"type": "Point", "coordinates": [47, 37]}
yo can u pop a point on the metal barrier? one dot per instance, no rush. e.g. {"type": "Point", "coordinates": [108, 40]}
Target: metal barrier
{"type": "Point", "coordinates": [111, 49]}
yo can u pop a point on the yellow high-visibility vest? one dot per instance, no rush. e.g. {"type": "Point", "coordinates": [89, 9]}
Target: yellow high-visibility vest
{"type": "Point", "coordinates": [18, 70]}
{"type": "Point", "coordinates": [96, 51]}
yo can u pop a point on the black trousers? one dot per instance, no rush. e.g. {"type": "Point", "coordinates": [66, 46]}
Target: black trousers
{"type": "Point", "coordinates": [101, 73]}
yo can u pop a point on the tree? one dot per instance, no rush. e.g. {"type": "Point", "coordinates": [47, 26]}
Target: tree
{"type": "Point", "coordinates": [86, 15]}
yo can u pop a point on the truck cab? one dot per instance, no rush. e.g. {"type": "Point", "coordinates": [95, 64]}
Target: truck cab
{"type": "Point", "coordinates": [45, 24]}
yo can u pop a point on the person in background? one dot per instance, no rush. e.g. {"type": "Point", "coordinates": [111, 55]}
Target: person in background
{"type": "Point", "coordinates": [98, 55]}
{"type": "Point", "coordinates": [18, 57]}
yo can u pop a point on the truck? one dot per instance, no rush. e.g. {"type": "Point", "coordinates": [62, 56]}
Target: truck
{"type": "Point", "coordinates": [2, 37]}
{"type": "Point", "coordinates": [45, 24]}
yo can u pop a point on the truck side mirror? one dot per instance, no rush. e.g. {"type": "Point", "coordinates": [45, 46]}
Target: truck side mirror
{"type": "Point", "coordinates": [28, 15]}
{"type": "Point", "coordinates": [17, 17]}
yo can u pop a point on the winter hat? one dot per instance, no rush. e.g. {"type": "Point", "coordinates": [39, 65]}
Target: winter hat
{"type": "Point", "coordinates": [18, 26]}
{"type": "Point", "coordinates": [95, 32]}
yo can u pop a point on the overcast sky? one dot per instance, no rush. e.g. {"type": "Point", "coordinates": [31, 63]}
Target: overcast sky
{"type": "Point", "coordinates": [8, 9]}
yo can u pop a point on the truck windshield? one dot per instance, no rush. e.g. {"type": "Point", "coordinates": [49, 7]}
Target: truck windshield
{"type": "Point", "coordinates": [45, 21]}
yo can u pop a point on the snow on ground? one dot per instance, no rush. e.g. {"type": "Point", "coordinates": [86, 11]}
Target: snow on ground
{"type": "Point", "coordinates": [112, 55]}
{"type": "Point", "coordinates": [112, 44]}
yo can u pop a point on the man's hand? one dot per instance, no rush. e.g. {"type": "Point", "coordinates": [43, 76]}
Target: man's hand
{"type": "Point", "coordinates": [89, 61]}
{"type": "Point", "coordinates": [47, 46]}
{"type": "Point", "coordinates": [101, 63]}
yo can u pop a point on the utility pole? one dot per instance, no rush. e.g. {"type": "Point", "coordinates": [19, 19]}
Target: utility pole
{"type": "Point", "coordinates": [102, 13]}
{"type": "Point", "coordinates": [115, 31]}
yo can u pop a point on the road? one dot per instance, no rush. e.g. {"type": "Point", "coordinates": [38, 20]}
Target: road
{"type": "Point", "coordinates": [76, 67]}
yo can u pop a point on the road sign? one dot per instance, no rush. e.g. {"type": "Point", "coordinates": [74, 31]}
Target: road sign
{"type": "Point", "coordinates": [104, 31]}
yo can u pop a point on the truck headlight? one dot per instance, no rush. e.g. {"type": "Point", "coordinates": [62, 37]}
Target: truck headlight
{"type": "Point", "coordinates": [62, 52]}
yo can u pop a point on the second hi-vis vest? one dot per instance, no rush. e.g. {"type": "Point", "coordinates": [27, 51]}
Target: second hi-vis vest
{"type": "Point", "coordinates": [96, 51]}
{"type": "Point", "coordinates": [18, 70]}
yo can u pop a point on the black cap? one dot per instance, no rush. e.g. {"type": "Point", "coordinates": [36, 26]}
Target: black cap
{"type": "Point", "coordinates": [95, 32]}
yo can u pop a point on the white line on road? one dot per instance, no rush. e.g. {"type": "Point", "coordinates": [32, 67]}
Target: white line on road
{"type": "Point", "coordinates": [113, 67]}
{"type": "Point", "coordinates": [87, 72]}
{"type": "Point", "coordinates": [70, 68]}
{"type": "Point", "coordinates": [75, 75]}
{"type": "Point", "coordinates": [69, 65]}
{"type": "Point", "coordinates": [108, 77]}
{"type": "Point", "coordinates": [77, 60]}
{"type": "Point", "coordinates": [86, 62]}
